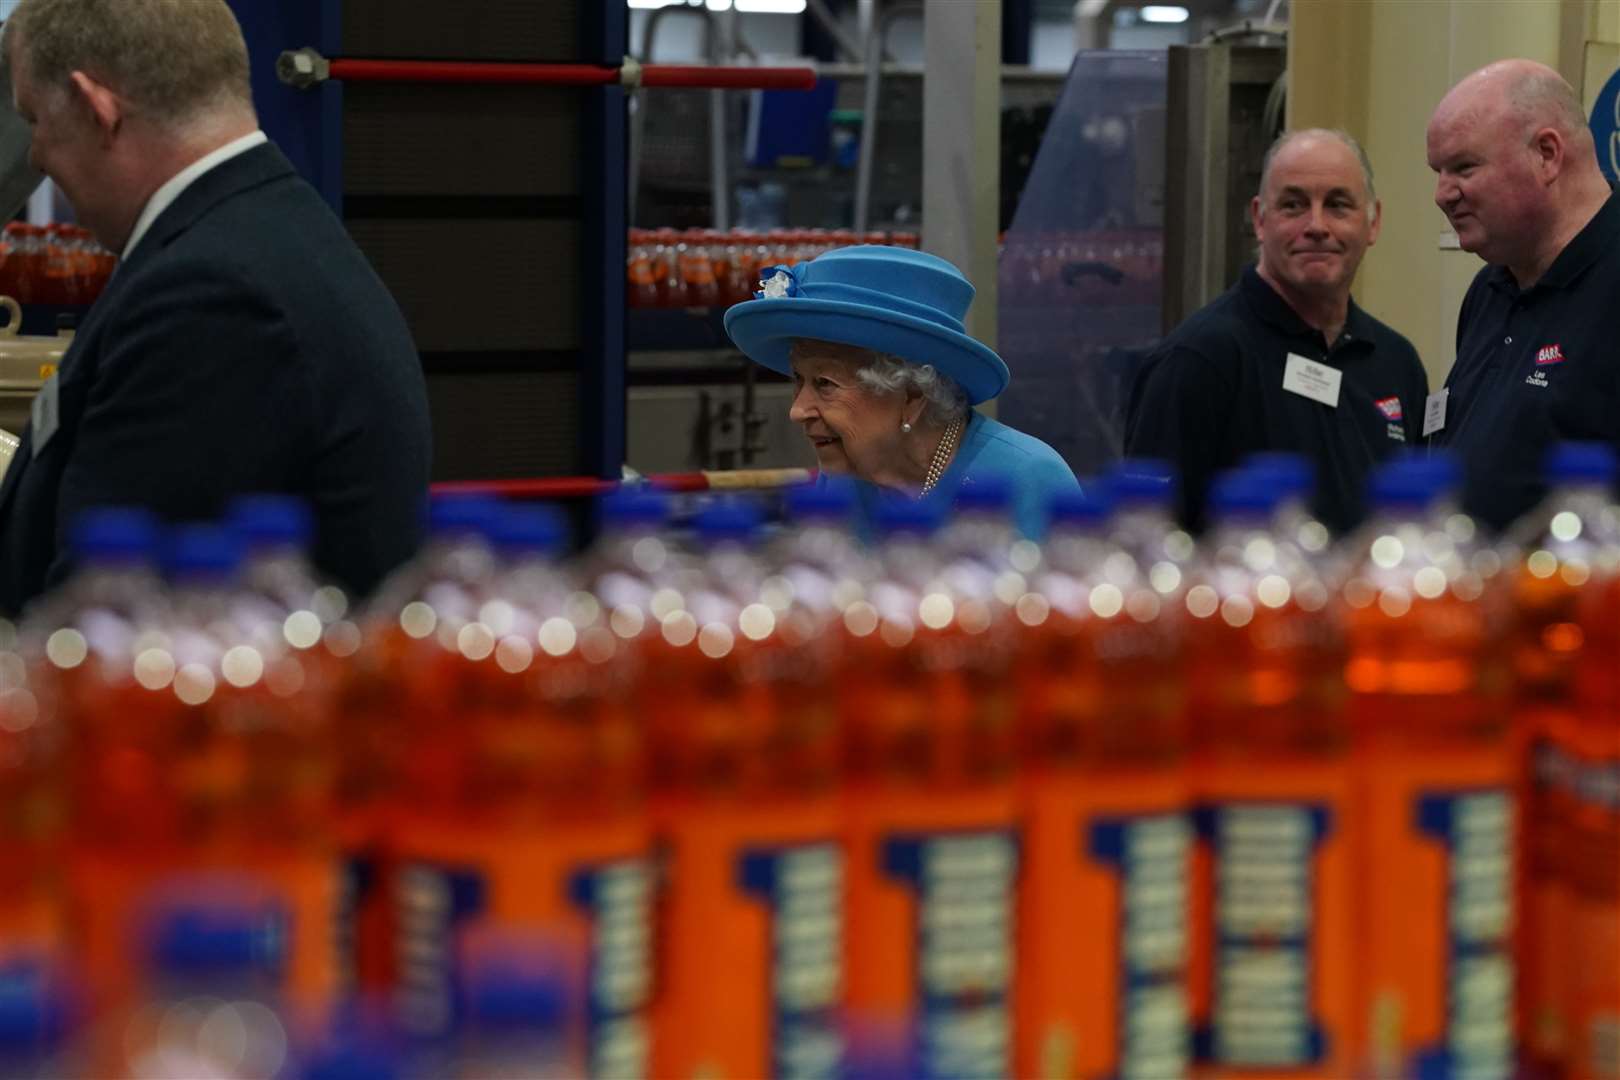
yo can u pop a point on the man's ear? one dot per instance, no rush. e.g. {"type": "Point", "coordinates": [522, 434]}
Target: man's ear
{"type": "Point", "coordinates": [1547, 149]}
{"type": "Point", "coordinates": [105, 107]}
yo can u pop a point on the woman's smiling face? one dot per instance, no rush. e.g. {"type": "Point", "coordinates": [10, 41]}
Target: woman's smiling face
{"type": "Point", "coordinates": [854, 428]}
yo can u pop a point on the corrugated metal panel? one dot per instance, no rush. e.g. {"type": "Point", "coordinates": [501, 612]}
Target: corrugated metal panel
{"type": "Point", "coordinates": [461, 140]}
{"type": "Point", "coordinates": [469, 285]}
{"type": "Point", "coordinates": [485, 30]}
{"type": "Point", "coordinates": [503, 426]}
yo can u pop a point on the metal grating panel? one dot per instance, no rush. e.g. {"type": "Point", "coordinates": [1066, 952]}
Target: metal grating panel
{"type": "Point", "coordinates": [485, 30]}
{"type": "Point", "coordinates": [460, 140]}
{"type": "Point", "coordinates": [501, 426]}
{"type": "Point", "coordinates": [483, 284]}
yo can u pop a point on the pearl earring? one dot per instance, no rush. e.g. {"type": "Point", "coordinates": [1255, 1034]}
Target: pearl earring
{"type": "Point", "coordinates": [905, 426]}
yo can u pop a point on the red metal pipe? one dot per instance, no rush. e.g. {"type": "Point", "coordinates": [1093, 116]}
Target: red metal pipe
{"type": "Point", "coordinates": [433, 71]}
{"type": "Point", "coordinates": [576, 487]}
{"type": "Point", "coordinates": [508, 74]}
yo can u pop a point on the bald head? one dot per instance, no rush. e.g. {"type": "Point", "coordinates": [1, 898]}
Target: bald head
{"type": "Point", "coordinates": [1516, 166]}
{"type": "Point", "coordinates": [1527, 95]}
{"type": "Point", "coordinates": [1318, 142]}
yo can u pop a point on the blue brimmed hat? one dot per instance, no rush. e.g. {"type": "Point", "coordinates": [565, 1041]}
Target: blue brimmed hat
{"type": "Point", "coordinates": [906, 303]}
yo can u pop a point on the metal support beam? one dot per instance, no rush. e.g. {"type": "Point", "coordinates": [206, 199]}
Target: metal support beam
{"type": "Point", "coordinates": [962, 147]}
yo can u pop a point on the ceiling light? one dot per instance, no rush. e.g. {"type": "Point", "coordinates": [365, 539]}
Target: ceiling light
{"type": "Point", "coordinates": [772, 7]}
{"type": "Point", "coordinates": [1155, 13]}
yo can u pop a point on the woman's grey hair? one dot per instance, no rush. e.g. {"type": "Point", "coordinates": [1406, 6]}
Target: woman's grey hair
{"type": "Point", "coordinates": [944, 399]}
{"type": "Point", "coordinates": [174, 60]}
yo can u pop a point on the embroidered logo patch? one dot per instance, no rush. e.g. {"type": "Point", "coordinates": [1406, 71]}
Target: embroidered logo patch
{"type": "Point", "coordinates": [1549, 354]}
{"type": "Point", "coordinates": [1390, 407]}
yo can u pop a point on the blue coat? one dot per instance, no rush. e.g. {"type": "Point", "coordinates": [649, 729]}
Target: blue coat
{"type": "Point", "coordinates": [245, 346]}
{"type": "Point", "coordinates": [989, 448]}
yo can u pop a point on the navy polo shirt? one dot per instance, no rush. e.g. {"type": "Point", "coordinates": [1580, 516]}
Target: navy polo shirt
{"type": "Point", "coordinates": [1212, 393]}
{"type": "Point", "coordinates": [1535, 366]}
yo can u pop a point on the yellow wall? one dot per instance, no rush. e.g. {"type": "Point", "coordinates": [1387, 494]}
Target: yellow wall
{"type": "Point", "coordinates": [1377, 68]}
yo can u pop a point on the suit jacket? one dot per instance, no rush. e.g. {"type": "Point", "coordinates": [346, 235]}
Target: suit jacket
{"type": "Point", "coordinates": [246, 345]}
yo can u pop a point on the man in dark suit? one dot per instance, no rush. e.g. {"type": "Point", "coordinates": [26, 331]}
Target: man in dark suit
{"type": "Point", "coordinates": [244, 343]}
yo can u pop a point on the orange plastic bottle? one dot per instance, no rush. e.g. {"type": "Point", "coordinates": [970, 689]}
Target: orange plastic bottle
{"type": "Point", "coordinates": [1565, 725]}
{"type": "Point", "coordinates": [697, 270]}
{"type": "Point", "coordinates": [1103, 909]}
{"type": "Point", "coordinates": [34, 955]}
{"type": "Point", "coordinates": [1426, 617]}
{"type": "Point", "coordinates": [932, 852]}
{"type": "Point", "coordinates": [196, 755]}
{"type": "Point", "coordinates": [1274, 976]}
{"type": "Point", "coordinates": [745, 745]}
{"type": "Point", "coordinates": [640, 279]}
{"type": "Point", "coordinates": [519, 797]}
{"type": "Point", "coordinates": [59, 281]}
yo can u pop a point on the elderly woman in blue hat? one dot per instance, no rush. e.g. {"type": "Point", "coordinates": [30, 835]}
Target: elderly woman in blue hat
{"type": "Point", "coordinates": [886, 378]}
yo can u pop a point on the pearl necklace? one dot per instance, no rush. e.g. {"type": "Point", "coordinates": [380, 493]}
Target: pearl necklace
{"type": "Point", "coordinates": [942, 455]}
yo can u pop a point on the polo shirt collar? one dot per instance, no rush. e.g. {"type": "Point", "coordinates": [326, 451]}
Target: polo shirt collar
{"type": "Point", "coordinates": [1269, 305]}
{"type": "Point", "coordinates": [1601, 235]}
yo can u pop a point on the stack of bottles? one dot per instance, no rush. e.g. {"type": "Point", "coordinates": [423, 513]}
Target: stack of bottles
{"type": "Point", "coordinates": [57, 264]}
{"type": "Point", "coordinates": [746, 800]}
{"type": "Point", "coordinates": [701, 268]}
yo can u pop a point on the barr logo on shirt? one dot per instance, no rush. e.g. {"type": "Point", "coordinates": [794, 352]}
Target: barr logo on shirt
{"type": "Point", "coordinates": [1390, 407]}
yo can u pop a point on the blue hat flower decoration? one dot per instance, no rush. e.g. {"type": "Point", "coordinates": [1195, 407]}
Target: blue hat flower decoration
{"type": "Point", "coordinates": [893, 300]}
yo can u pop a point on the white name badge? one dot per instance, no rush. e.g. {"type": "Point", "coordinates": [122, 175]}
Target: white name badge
{"type": "Point", "coordinates": [45, 415]}
{"type": "Point", "coordinates": [1434, 411]}
{"type": "Point", "coordinates": [1307, 378]}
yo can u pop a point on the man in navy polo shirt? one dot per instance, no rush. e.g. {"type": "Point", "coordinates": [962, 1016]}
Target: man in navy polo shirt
{"type": "Point", "coordinates": [1538, 340]}
{"type": "Point", "coordinates": [1285, 360]}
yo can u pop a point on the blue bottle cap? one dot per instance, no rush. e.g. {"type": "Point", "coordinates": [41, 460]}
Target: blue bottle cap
{"type": "Point", "coordinates": [908, 517]}
{"type": "Point", "coordinates": [452, 516]}
{"type": "Point", "coordinates": [108, 536]}
{"type": "Point", "coordinates": [1412, 481]}
{"type": "Point", "coordinates": [351, 1058]}
{"type": "Point", "coordinates": [988, 494]}
{"type": "Point", "coordinates": [732, 519]}
{"type": "Point", "coordinates": [214, 937]}
{"type": "Point", "coordinates": [831, 499]}
{"type": "Point", "coordinates": [629, 507]}
{"type": "Point", "coordinates": [1293, 474]}
{"type": "Point", "coordinates": [518, 530]}
{"type": "Point", "coordinates": [35, 1009]}
{"type": "Point", "coordinates": [271, 521]}
{"type": "Point", "coordinates": [1089, 506]}
{"type": "Point", "coordinates": [202, 552]}
{"type": "Point", "coordinates": [1581, 463]}
{"type": "Point", "coordinates": [1143, 482]}
{"type": "Point", "coordinates": [508, 999]}
{"type": "Point", "coordinates": [1243, 493]}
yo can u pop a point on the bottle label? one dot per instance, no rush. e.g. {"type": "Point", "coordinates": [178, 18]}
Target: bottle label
{"type": "Point", "coordinates": [617, 899]}
{"type": "Point", "coordinates": [435, 903]}
{"type": "Point", "coordinates": [803, 887]}
{"type": "Point", "coordinates": [431, 903]}
{"type": "Point", "coordinates": [1151, 853]}
{"type": "Point", "coordinates": [1265, 855]}
{"type": "Point", "coordinates": [964, 884]}
{"type": "Point", "coordinates": [1593, 872]}
{"type": "Point", "coordinates": [1476, 829]}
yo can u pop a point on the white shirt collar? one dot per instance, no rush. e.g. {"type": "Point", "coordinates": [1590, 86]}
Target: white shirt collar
{"type": "Point", "coordinates": [164, 196]}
